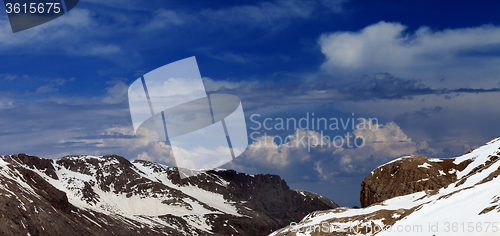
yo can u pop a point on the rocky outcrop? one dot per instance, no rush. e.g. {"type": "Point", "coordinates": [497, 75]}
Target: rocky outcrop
{"type": "Point", "coordinates": [271, 195]}
{"type": "Point", "coordinates": [41, 164]}
{"type": "Point", "coordinates": [408, 175]}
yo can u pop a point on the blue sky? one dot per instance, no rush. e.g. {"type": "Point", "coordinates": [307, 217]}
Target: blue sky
{"type": "Point", "coordinates": [427, 70]}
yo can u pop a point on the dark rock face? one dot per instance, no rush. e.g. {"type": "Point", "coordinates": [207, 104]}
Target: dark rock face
{"type": "Point", "coordinates": [408, 175]}
{"type": "Point", "coordinates": [42, 164]}
{"type": "Point", "coordinates": [272, 200]}
{"type": "Point", "coordinates": [54, 196]}
{"type": "Point", "coordinates": [31, 203]}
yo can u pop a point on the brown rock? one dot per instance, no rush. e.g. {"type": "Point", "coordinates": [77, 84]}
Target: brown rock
{"type": "Point", "coordinates": [406, 176]}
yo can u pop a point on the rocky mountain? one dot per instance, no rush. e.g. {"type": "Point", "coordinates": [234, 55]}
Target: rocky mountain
{"type": "Point", "coordinates": [109, 195]}
{"type": "Point", "coordinates": [408, 175]}
{"type": "Point", "coordinates": [416, 195]}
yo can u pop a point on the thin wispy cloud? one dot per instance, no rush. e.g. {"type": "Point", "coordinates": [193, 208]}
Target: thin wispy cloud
{"type": "Point", "coordinates": [266, 15]}
{"type": "Point", "coordinates": [379, 86]}
{"type": "Point", "coordinates": [88, 31]}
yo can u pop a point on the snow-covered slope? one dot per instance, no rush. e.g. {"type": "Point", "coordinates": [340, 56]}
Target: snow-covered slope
{"type": "Point", "coordinates": [470, 205]}
{"type": "Point", "coordinates": [139, 195]}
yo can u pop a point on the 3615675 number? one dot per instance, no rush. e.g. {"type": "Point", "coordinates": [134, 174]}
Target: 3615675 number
{"type": "Point", "coordinates": [33, 8]}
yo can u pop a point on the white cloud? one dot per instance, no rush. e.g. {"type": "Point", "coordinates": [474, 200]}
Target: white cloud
{"type": "Point", "coordinates": [231, 57]}
{"type": "Point", "coordinates": [382, 142]}
{"type": "Point", "coordinates": [431, 55]}
{"type": "Point", "coordinates": [159, 153]}
{"type": "Point", "coordinates": [215, 85]}
{"type": "Point", "coordinates": [87, 30]}
{"type": "Point", "coordinates": [80, 32]}
{"type": "Point", "coordinates": [123, 138]}
{"type": "Point", "coordinates": [46, 89]}
{"type": "Point", "coordinates": [280, 154]}
{"type": "Point", "coordinates": [334, 5]}
{"type": "Point", "coordinates": [5, 103]}
{"type": "Point", "coordinates": [201, 157]}
{"type": "Point", "coordinates": [271, 15]}
{"type": "Point", "coordinates": [8, 77]}
{"type": "Point", "coordinates": [144, 146]}
{"type": "Point", "coordinates": [466, 118]}
{"type": "Point", "coordinates": [116, 93]}
{"type": "Point", "coordinates": [95, 50]}
{"type": "Point", "coordinates": [164, 18]}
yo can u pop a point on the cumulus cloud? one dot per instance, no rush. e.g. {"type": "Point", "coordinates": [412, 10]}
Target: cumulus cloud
{"type": "Point", "coordinates": [279, 154]}
{"type": "Point", "coordinates": [311, 153]}
{"type": "Point", "coordinates": [382, 143]}
{"type": "Point", "coordinates": [452, 54]}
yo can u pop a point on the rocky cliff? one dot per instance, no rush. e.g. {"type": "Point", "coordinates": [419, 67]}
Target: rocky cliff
{"type": "Point", "coordinates": [408, 175]}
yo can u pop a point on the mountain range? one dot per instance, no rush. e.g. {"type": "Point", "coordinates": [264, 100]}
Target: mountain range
{"type": "Point", "coordinates": [110, 195]}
